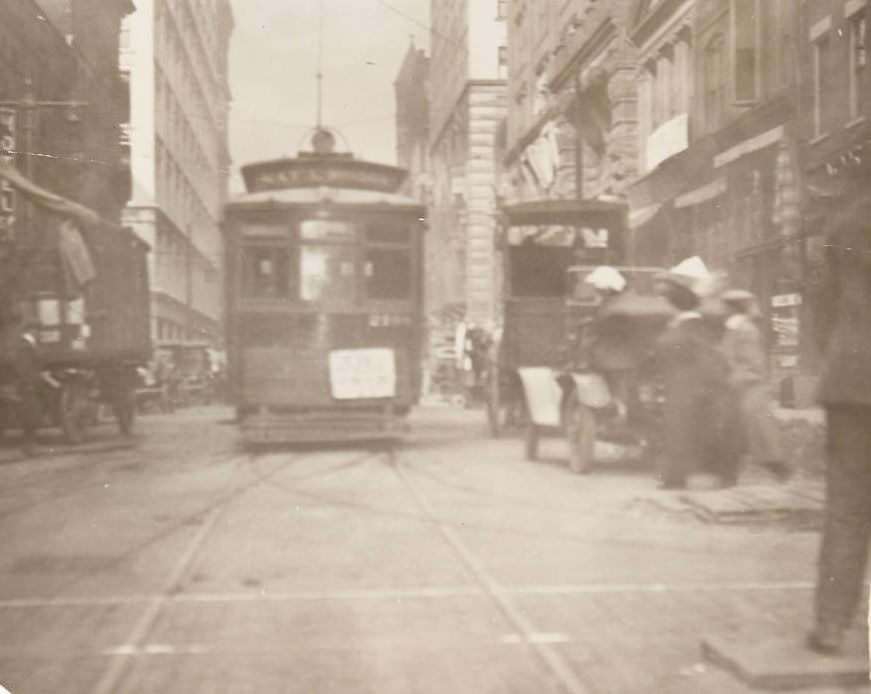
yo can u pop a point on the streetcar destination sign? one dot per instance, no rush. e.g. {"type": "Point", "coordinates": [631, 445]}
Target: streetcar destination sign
{"type": "Point", "coordinates": [306, 172]}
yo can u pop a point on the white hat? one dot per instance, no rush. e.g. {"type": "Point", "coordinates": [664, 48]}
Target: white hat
{"type": "Point", "coordinates": [693, 269]}
{"type": "Point", "coordinates": [605, 277]}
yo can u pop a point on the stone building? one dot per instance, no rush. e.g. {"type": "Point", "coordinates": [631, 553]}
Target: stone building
{"type": "Point", "coordinates": [64, 51]}
{"type": "Point", "coordinates": [571, 128]}
{"type": "Point", "coordinates": [467, 103]}
{"type": "Point", "coordinates": [411, 89]}
{"type": "Point", "coordinates": [723, 181]}
{"type": "Point", "coordinates": [176, 57]}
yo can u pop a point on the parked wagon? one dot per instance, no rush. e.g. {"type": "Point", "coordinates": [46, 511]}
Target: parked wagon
{"type": "Point", "coordinates": [82, 292]}
{"type": "Point", "coordinates": [539, 242]}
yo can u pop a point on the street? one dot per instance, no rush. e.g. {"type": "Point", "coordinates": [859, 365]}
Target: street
{"type": "Point", "coordinates": [179, 562]}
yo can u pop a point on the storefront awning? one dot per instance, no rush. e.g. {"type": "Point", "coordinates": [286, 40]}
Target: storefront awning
{"type": "Point", "coordinates": [568, 212]}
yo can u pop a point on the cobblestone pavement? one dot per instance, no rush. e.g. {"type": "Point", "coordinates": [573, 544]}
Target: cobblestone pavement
{"type": "Point", "coordinates": [181, 563]}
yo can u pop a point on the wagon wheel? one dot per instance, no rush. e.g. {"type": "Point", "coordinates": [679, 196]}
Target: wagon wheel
{"type": "Point", "coordinates": [580, 427]}
{"type": "Point", "coordinates": [494, 401]}
{"type": "Point", "coordinates": [75, 411]}
{"type": "Point", "coordinates": [125, 407]}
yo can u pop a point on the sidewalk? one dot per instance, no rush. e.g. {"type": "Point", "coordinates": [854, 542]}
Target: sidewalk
{"type": "Point", "coordinates": [798, 504]}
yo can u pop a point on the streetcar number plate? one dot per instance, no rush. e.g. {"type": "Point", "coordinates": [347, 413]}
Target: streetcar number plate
{"type": "Point", "coordinates": [362, 373]}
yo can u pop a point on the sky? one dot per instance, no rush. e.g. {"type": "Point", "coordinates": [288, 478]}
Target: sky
{"type": "Point", "coordinates": [273, 62]}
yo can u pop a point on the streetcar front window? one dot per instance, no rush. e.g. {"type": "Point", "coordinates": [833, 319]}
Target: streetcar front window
{"type": "Point", "coordinates": [327, 272]}
{"type": "Point", "coordinates": [265, 273]}
{"type": "Point", "coordinates": [388, 273]}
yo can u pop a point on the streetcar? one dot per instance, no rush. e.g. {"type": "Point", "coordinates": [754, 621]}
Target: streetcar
{"type": "Point", "coordinates": [324, 298]}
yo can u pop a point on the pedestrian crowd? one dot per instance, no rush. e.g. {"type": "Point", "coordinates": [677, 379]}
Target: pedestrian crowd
{"type": "Point", "coordinates": [711, 359]}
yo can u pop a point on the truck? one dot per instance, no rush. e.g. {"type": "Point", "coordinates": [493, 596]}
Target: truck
{"type": "Point", "coordinates": [78, 286]}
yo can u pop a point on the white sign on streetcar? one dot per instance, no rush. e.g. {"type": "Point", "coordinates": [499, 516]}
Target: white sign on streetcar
{"type": "Point", "coordinates": [362, 373]}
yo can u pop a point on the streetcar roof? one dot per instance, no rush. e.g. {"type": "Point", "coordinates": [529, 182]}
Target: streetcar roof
{"type": "Point", "coordinates": [321, 195]}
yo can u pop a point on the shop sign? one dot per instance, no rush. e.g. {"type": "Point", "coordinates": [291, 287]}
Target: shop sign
{"type": "Point", "coordinates": [341, 174]}
{"type": "Point", "coordinates": [785, 323]}
{"type": "Point", "coordinates": [785, 300]}
{"type": "Point", "coordinates": [362, 373]}
{"type": "Point", "coordinates": [7, 194]}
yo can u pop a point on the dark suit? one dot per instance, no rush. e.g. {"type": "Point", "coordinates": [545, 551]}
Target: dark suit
{"type": "Point", "coordinates": [28, 371]}
{"type": "Point", "coordinates": [700, 409]}
{"type": "Point", "coordinates": [845, 393]}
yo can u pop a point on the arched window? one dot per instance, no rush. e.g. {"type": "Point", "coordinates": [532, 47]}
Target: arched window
{"type": "Point", "coordinates": [746, 33]}
{"type": "Point", "coordinates": [715, 83]}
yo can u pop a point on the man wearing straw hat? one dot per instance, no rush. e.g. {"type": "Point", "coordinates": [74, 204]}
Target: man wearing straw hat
{"type": "Point", "coordinates": [699, 422]}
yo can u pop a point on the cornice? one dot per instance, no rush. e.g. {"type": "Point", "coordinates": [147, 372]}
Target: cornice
{"type": "Point", "coordinates": [593, 32]}
{"type": "Point", "coordinates": [647, 27]}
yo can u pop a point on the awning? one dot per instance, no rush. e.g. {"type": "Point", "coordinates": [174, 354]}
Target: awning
{"type": "Point", "coordinates": [569, 212]}
{"type": "Point", "coordinates": [704, 193]}
{"type": "Point", "coordinates": [640, 217]}
{"type": "Point", "coordinates": [46, 199]}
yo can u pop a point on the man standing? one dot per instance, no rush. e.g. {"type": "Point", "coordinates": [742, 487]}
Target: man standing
{"type": "Point", "coordinates": [698, 422]}
{"type": "Point", "coordinates": [845, 394]}
{"type": "Point", "coordinates": [744, 348]}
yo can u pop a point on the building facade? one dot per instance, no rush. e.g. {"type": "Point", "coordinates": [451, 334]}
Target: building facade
{"type": "Point", "coordinates": [836, 136]}
{"type": "Point", "coordinates": [572, 124]}
{"type": "Point", "coordinates": [64, 52]}
{"type": "Point", "coordinates": [411, 90]}
{"type": "Point", "coordinates": [467, 103]}
{"type": "Point", "coordinates": [722, 180]}
{"type": "Point", "coordinates": [176, 57]}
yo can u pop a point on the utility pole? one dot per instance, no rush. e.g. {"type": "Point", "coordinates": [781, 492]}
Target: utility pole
{"type": "Point", "coordinates": [189, 283]}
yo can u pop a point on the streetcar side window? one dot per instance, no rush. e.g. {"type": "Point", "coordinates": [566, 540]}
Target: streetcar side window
{"type": "Point", "coordinates": [266, 272]}
{"type": "Point", "coordinates": [388, 273]}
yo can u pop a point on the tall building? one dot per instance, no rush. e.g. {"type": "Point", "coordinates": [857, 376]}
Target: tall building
{"type": "Point", "coordinates": [467, 103]}
{"type": "Point", "coordinates": [55, 53]}
{"type": "Point", "coordinates": [411, 89]}
{"type": "Point", "coordinates": [720, 172]}
{"type": "Point", "coordinates": [176, 57]}
{"type": "Point", "coordinates": [836, 132]}
{"type": "Point", "coordinates": [571, 129]}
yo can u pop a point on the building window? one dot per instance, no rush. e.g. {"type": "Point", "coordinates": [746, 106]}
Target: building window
{"type": "Point", "coordinates": [858, 63]}
{"type": "Point", "coordinates": [746, 20]}
{"type": "Point", "coordinates": [502, 9]}
{"type": "Point", "coordinates": [714, 75]}
{"type": "Point", "coordinates": [502, 71]}
{"type": "Point", "coordinates": [821, 51]}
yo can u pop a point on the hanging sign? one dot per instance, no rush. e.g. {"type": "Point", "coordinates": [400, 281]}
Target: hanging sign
{"type": "Point", "coordinates": [7, 193]}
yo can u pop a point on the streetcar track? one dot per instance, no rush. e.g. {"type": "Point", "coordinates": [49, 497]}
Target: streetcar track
{"type": "Point", "coordinates": [69, 491]}
{"type": "Point", "coordinates": [314, 498]}
{"type": "Point", "coordinates": [552, 660]}
{"type": "Point", "coordinates": [209, 515]}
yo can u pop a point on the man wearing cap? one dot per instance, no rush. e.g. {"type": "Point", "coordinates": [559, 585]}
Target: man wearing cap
{"type": "Point", "coordinates": [845, 394]}
{"type": "Point", "coordinates": [698, 420]}
{"type": "Point", "coordinates": [744, 349]}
